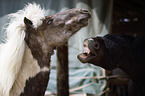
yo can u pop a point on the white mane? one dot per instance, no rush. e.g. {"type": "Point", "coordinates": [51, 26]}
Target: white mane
{"type": "Point", "coordinates": [12, 52]}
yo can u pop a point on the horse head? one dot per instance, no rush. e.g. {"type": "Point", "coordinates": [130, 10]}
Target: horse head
{"type": "Point", "coordinates": [56, 29]}
{"type": "Point", "coordinates": [106, 52]}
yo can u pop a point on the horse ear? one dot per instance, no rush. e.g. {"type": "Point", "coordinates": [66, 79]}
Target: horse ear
{"type": "Point", "coordinates": [28, 22]}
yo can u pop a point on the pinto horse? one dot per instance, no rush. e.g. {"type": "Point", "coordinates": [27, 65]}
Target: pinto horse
{"type": "Point", "coordinates": [118, 51]}
{"type": "Point", "coordinates": [31, 40]}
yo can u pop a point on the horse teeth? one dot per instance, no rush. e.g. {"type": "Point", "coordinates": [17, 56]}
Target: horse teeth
{"type": "Point", "coordinates": [86, 50]}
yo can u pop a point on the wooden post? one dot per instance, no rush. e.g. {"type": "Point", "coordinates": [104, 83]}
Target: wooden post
{"type": "Point", "coordinates": [62, 71]}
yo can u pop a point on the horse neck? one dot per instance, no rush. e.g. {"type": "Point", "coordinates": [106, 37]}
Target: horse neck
{"type": "Point", "coordinates": [133, 63]}
{"type": "Point", "coordinates": [36, 85]}
{"type": "Point", "coordinates": [33, 77]}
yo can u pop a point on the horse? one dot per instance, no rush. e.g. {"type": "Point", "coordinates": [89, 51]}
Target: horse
{"type": "Point", "coordinates": [118, 51]}
{"type": "Point", "coordinates": [31, 38]}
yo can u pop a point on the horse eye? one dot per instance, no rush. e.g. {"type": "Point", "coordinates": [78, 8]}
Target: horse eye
{"type": "Point", "coordinates": [49, 21]}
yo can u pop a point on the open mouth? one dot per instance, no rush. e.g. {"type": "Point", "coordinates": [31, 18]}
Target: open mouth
{"type": "Point", "coordinates": [87, 55]}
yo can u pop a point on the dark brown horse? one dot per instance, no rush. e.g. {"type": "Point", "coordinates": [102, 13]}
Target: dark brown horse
{"type": "Point", "coordinates": [32, 38]}
{"type": "Point", "coordinates": [118, 51]}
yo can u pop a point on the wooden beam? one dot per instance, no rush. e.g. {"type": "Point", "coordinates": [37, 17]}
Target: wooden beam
{"type": "Point", "coordinates": [130, 28]}
{"type": "Point", "coordinates": [127, 8]}
{"type": "Point", "coordinates": [62, 71]}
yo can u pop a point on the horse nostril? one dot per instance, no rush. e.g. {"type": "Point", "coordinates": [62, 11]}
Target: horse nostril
{"type": "Point", "coordinates": [97, 46]}
{"type": "Point", "coordinates": [84, 10]}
